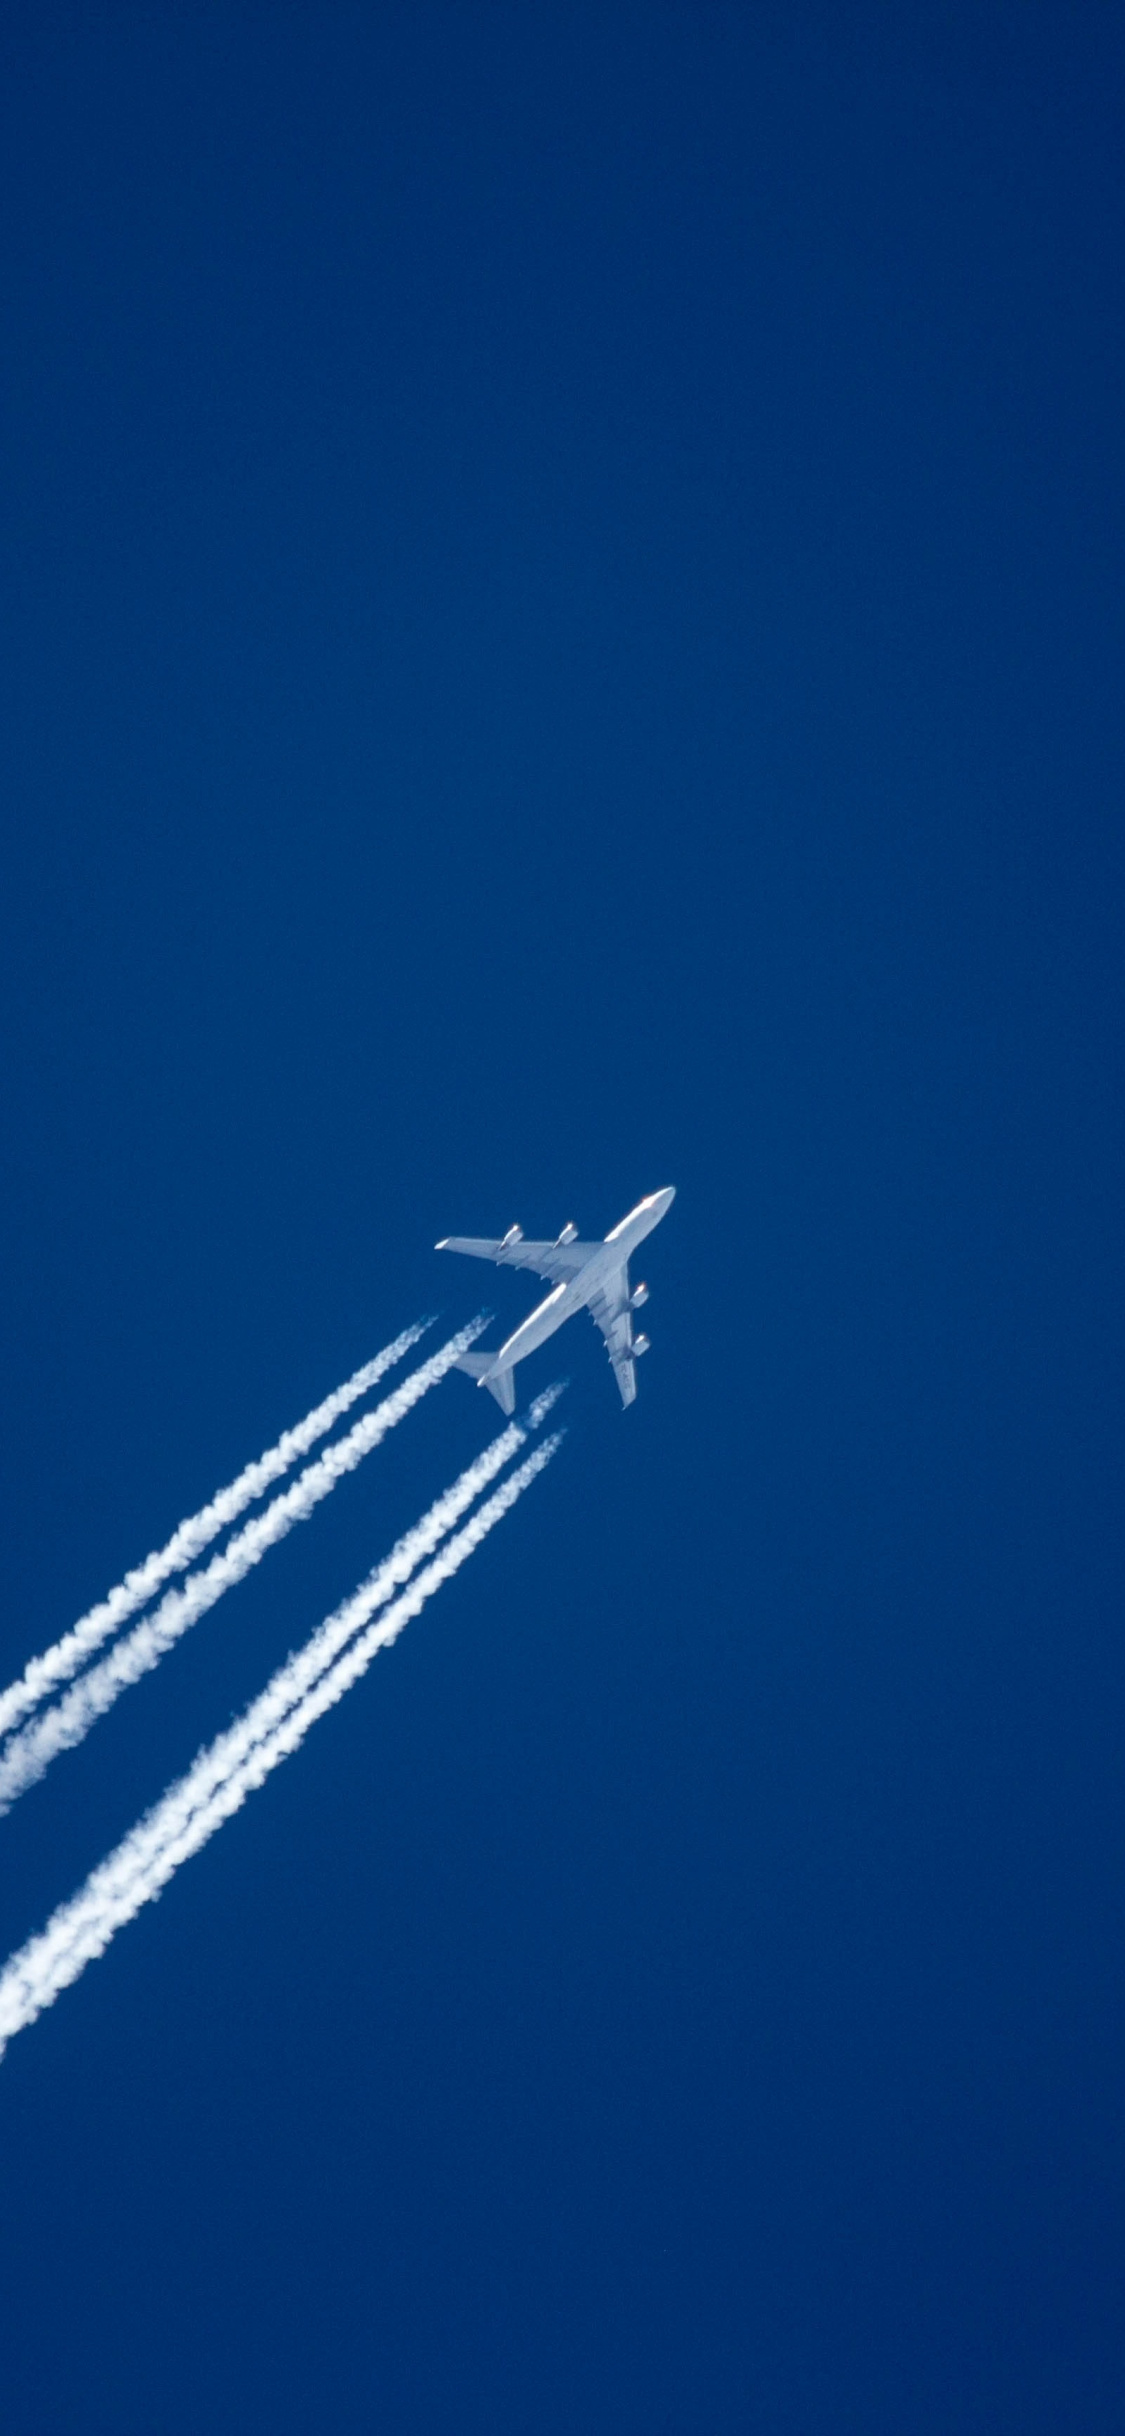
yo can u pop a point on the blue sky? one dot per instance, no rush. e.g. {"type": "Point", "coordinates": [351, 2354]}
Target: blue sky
{"type": "Point", "coordinates": [562, 634]}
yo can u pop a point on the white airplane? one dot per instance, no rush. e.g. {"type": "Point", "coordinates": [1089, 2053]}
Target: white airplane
{"type": "Point", "coordinates": [584, 1276]}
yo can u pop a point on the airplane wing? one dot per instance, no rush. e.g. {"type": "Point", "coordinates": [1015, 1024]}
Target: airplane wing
{"type": "Point", "coordinates": [556, 1261]}
{"type": "Point", "coordinates": [611, 1310]}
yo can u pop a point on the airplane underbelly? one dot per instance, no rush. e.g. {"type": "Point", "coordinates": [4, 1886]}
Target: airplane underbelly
{"type": "Point", "coordinates": [535, 1330]}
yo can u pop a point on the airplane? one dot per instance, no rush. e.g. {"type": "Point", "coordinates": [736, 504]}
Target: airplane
{"type": "Point", "coordinates": [584, 1276]}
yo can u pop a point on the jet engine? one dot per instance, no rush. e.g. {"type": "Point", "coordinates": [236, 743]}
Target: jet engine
{"type": "Point", "coordinates": [639, 1346]}
{"type": "Point", "coordinates": [569, 1233]}
{"type": "Point", "coordinates": [638, 1296]}
{"type": "Point", "coordinates": [513, 1236]}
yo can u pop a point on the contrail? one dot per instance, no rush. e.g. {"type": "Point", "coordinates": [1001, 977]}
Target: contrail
{"type": "Point", "coordinates": [185, 1819]}
{"type": "Point", "coordinates": [293, 1680]}
{"type": "Point", "coordinates": [57, 1665]}
{"type": "Point", "coordinates": [28, 1753]}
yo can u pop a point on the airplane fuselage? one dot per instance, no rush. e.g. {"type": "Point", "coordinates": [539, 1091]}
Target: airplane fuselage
{"type": "Point", "coordinates": [578, 1291]}
{"type": "Point", "coordinates": [582, 1276]}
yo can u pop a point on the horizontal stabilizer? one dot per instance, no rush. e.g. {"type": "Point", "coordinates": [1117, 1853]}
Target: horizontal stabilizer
{"type": "Point", "coordinates": [500, 1383]}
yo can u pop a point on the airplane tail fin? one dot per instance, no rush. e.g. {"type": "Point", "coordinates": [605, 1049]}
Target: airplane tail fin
{"type": "Point", "coordinates": [502, 1384]}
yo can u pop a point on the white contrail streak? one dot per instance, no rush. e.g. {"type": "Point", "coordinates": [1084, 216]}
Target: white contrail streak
{"type": "Point", "coordinates": [28, 1754]}
{"type": "Point", "coordinates": [193, 1809]}
{"type": "Point", "coordinates": [293, 1680]}
{"type": "Point", "coordinates": [44, 1674]}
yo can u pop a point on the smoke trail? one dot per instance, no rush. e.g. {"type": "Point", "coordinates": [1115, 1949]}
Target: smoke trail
{"type": "Point", "coordinates": [178, 1826]}
{"type": "Point", "coordinates": [28, 1754]}
{"type": "Point", "coordinates": [57, 1665]}
{"type": "Point", "coordinates": [293, 1680]}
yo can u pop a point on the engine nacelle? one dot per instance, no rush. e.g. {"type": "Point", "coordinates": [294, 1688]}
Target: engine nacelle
{"type": "Point", "coordinates": [638, 1297]}
{"type": "Point", "coordinates": [569, 1233]}
{"type": "Point", "coordinates": [513, 1236]}
{"type": "Point", "coordinates": [638, 1346]}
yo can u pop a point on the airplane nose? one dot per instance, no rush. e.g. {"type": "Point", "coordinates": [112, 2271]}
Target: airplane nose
{"type": "Point", "coordinates": [664, 1200]}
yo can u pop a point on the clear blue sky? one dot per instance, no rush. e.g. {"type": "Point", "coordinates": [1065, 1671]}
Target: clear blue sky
{"type": "Point", "coordinates": [562, 633]}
